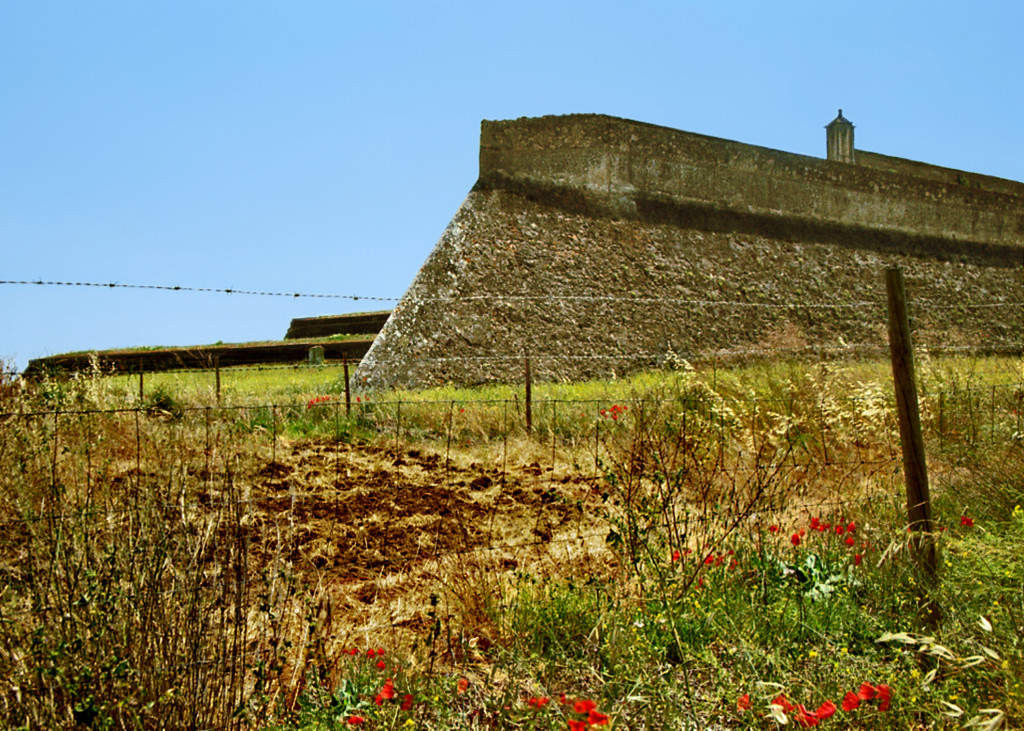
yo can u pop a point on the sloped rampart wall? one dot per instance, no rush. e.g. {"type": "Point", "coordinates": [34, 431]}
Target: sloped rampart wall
{"type": "Point", "coordinates": [602, 246]}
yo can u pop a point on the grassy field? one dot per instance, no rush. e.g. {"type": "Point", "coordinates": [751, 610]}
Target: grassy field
{"type": "Point", "coordinates": [701, 548]}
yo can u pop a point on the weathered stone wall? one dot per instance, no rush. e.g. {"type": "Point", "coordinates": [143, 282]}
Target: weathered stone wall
{"type": "Point", "coordinates": [204, 357]}
{"type": "Point", "coordinates": [949, 176]}
{"type": "Point", "coordinates": [355, 323]}
{"type": "Point", "coordinates": [602, 246]}
{"type": "Point", "coordinates": [627, 163]}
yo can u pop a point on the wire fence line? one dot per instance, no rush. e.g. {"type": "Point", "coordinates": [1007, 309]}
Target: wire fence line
{"type": "Point", "coordinates": [210, 513]}
{"type": "Point", "coordinates": [529, 298]}
{"type": "Point", "coordinates": [670, 358]}
{"type": "Point", "coordinates": [495, 364]}
{"type": "Point", "coordinates": [368, 404]}
{"type": "Point", "coordinates": [209, 290]}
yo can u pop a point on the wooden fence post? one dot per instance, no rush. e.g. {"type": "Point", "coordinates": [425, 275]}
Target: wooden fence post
{"type": "Point", "coordinates": [915, 471]}
{"type": "Point", "coordinates": [216, 370]}
{"type": "Point", "coordinates": [529, 394]}
{"type": "Point", "coordinates": [142, 389]}
{"type": "Point", "coordinates": [348, 393]}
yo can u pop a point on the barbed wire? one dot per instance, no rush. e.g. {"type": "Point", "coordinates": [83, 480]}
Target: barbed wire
{"type": "Point", "coordinates": [407, 299]}
{"type": "Point", "coordinates": [178, 288]}
{"type": "Point", "coordinates": [724, 353]}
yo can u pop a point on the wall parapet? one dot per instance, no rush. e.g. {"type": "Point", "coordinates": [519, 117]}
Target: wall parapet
{"type": "Point", "coordinates": [621, 165]}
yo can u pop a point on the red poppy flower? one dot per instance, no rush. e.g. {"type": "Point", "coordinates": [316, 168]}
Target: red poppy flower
{"type": "Point", "coordinates": [850, 701]}
{"type": "Point", "coordinates": [582, 706]}
{"type": "Point", "coordinates": [815, 522]}
{"type": "Point", "coordinates": [850, 541]}
{"type": "Point", "coordinates": [795, 539]}
{"type": "Point", "coordinates": [804, 717]}
{"type": "Point", "coordinates": [851, 527]}
{"type": "Point", "coordinates": [596, 718]}
{"type": "Point", "coordinates": [577, 725]}
{"type": "Point", "coordinates": [380, 652]}
{"type": "Point", "coordinates": [355, 720]}
{"type": "Point", "coordinates": [826, 710]}
{"type": "Point", "coordinates": [885, 697]}
{"type": "Point", "coordinates": [743, 704]}
{"type": "Point", "coordinates": [538, 703]}
{"type": "Point", "coordinates": [354, 651]}
{"type": "Point", "coordinates": [407, 702]}
{"type": "Point", "coordinates": [840, 529]}
{"type": "Point", "coordinates": [857, 558]}
{"type": "Point", "coordinates": [381, 664]}
{"type": "Point", "coordinates": [965, 521]}
{"type": "Point", "coordinates": [866, 692]}
{"type": "Point", "coordinates": [562, 699]}
{"type": "Point", "coordinates": [675, 556]}
{"type": "Point", "coordinates": [709, 560]}
{"type": "Point", "coordinates": [371, 654]}
{"type": "Point", "coordinates": [773, 528]}
{"type": "Point", "coordinates": [462, 685]}
{"type": "Point", "coordinates": [781, 701]}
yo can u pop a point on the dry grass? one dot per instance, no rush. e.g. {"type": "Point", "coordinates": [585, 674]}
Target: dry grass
{"type": "Point", "coordinates": [184, 565]}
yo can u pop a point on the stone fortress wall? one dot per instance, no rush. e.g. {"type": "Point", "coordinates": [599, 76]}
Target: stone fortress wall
{"type": "Point", "coordinates": [603, 245]}
{"type": "Point", "coordinates": [634, 169]}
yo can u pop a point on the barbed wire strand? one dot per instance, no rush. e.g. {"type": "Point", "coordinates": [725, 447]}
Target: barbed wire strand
{"type": "Point", "coordinates": [178, 288]}
{"type": "Point", "coordinates": [498, 297]}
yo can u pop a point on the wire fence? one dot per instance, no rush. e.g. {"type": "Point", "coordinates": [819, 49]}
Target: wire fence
{"type": "Point", "coordinates": [493, 360]}
{"type": "Point", "coordinates": [504, 297]}
{"type": "Point", "coordinates": [238, 548]}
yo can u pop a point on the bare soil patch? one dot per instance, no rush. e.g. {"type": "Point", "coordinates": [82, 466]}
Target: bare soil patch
{"type": "Point", "coordinates": [377, 531]}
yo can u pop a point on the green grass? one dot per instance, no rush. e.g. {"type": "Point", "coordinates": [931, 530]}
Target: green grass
{"type": "Point", "coordinates": [705, 598]}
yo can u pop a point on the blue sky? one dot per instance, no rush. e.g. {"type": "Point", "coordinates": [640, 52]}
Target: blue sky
{"type": "Point", "coordinates": [322, 146]}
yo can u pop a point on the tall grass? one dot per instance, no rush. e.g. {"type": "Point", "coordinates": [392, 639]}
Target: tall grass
{"type": "Point", "coordinates": [138, 589]}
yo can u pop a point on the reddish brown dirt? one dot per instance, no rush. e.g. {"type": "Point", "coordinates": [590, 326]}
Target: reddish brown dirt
{"type": "Point", "coordinates": [358, 512]}
{"type": "Point", "coordinates": [370, 534]}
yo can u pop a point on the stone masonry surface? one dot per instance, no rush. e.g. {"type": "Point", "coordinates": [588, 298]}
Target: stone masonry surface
{"type": "Point", "coordinates": [603, 246]}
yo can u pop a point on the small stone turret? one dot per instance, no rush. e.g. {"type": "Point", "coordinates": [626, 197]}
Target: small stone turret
{"type": "Point", "coordinates": [839, 133]}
